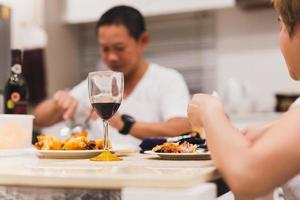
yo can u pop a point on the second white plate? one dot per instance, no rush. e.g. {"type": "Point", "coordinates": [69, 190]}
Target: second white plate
{"type": "Point", "coordinates": [198, 155]}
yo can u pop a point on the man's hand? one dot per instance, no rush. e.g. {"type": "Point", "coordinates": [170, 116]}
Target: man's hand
{"type": "Point", "coordinates": [65, 104]}
{"type": "Point", "coordinates": [115, 121]}
{"type": "Point", "coordinates": [200, 106]}
{"type": "Point", "coordinates": [61, 107]}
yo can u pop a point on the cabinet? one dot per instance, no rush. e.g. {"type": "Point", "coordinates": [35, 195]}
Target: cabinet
{"type": "Point", "coordinates": [78, 11]}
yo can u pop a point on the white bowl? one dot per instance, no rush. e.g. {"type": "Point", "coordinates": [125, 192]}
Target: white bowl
{"type": "Point", "coordinates": [15, 131]}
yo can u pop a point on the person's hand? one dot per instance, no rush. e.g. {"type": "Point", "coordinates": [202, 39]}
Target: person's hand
{"type": "Point", "coordinates": [115, 121]}
{"type": "Point", "coordinates": [65, 104]}
{"type": "Point", "coordinates": [200, 106]}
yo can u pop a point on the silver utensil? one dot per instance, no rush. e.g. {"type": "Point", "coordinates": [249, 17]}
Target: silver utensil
{"type": "Point", "coordinates": [71, 127]}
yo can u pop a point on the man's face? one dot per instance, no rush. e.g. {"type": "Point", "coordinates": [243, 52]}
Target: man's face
{"type": "Point", "coordinates": [119, 50]}
{"type": "Point", "coordinates": [290, 48]}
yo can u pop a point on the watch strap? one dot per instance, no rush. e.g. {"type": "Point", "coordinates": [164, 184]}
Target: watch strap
{"type": "Point", "coordinates": [128, 123]}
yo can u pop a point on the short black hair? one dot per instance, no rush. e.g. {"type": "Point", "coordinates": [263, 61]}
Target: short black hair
{"type": "Point", "coordinates": [127, 16]}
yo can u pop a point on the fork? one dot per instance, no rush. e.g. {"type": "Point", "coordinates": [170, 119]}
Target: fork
{"type": "Point", "coordinates": [72, 128]}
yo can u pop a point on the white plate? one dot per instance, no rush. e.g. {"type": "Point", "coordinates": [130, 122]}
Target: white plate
{"type": "Point", "coordinates": [67, 154]}
{"type": "Point", "coordinates": [198, 155]}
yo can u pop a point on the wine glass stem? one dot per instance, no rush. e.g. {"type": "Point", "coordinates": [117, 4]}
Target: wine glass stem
{"type": "Point", "coordinates": [105, 127]}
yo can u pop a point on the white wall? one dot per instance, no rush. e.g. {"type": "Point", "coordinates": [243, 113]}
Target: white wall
{"type": "Point", "coordinates": [248, 51]}
{"type": "Point", "coordinates": [62, 52]}
{"type": "Point", "coordinates": [30, 11]}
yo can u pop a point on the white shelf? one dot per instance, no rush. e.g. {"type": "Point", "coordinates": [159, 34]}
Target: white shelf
{"type": "Point", "coordinates": [78, 11]}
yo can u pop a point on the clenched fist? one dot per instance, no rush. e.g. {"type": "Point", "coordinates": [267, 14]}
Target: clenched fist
{"type": "Point", "coordinates": [200, 107]}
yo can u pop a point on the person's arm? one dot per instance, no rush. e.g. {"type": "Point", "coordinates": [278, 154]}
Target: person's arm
{"type": "Point", "coordinates": [173, 100]}
{"type": "Point", "coordinates": [253, 133]}
{"type": "Point", "coordinates": [250, 168]}
{"type": "Point", "coordinates": [170, 128]}
{"type": "Point", "coordinates": [61, 107]}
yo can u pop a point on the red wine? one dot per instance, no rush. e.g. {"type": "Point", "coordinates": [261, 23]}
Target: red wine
{"type": "Point", "coordinates": [16, 91]}
{"type": "Point", "coordinates": [106, 110]}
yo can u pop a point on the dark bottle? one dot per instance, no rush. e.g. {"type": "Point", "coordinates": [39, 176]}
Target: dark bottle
{"type": "Point", "coordinates": [16, 91]}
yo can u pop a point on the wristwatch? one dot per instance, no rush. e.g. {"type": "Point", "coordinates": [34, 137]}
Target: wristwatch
{"type": "Point", "coordinates": [128, 123]}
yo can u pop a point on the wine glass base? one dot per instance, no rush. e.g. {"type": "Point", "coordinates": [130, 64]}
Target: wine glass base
{"type": "Point", "coordinates": [106, 156]}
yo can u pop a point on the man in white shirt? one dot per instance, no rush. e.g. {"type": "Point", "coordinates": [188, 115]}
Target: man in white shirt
{"type": "Point", "coordinates": [155, 97]}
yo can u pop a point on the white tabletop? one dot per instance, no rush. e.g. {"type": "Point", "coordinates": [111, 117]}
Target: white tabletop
{"type": "Point", "coordinates": [137, 170]}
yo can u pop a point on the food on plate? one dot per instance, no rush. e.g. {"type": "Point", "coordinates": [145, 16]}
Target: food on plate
{"type": "Point", "coordinates": [169, 147]}
{"type": "Point", "coordinates": [188, 148]}
{"type": "Point", "coordinates": [48, 142]}
{"type": "Point", "coordinates": [80, 134]}
{"type": "Point", "coordinates": [78, 141]}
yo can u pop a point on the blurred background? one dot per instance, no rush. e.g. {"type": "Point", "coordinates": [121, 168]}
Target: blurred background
{"type": "Point", "coordinates": [228, 46]}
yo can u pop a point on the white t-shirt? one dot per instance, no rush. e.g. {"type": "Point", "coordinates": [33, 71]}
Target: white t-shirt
{"type": "Point", "coordinates": [160, 95]}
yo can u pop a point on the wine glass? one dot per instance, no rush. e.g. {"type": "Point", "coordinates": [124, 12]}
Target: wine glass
{"type": "Point", "coordinates": [106, 93]}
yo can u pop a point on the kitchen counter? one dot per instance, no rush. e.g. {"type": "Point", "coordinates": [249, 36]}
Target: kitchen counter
{"type": "Point", "coordinates": [135, 171]}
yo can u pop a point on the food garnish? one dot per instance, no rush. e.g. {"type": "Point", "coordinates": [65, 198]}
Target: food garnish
{"type": "Point", "coordinates": [170, 147]}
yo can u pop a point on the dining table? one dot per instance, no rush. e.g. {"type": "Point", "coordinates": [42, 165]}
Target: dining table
{"type": "Point", "coordinates": [26, 175]}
